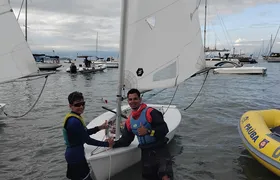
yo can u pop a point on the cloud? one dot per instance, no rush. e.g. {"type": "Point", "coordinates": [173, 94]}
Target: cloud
{"type": "Point", "coordinates": [73, 24]}
{"type": "Point", "coordinates": [264, 13]}
{"type": "Point", "coordinates": [264, 25]}
{"type": "Point", "coordinates": [239, 40]}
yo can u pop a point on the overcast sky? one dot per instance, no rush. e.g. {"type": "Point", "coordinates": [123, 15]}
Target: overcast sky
{"type": "Point", "coordinates": [72, 24]}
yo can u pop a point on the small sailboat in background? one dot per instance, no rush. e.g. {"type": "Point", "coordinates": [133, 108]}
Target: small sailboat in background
{"type": "Point", "coordinates": [272, 56]}
{"type": "Point", "coordinates": [147, 62]}
{"type": "Point", "coordinates": [110, 62]}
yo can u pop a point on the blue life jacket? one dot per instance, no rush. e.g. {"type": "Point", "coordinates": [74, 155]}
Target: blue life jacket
{"type": "Point", "coordinates": [135, 124]}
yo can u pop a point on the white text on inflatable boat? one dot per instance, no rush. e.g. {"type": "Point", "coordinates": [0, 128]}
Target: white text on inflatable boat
{"type": "Point", "coordinates": [253, 135]}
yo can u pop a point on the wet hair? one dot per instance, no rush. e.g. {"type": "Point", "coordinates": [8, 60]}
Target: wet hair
{"type": "Point", "coordinates": [133, 91]}
{"type": "Point", "coordinates": [75, 96]}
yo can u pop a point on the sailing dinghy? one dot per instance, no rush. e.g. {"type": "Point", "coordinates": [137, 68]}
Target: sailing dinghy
{"type": "Point", "coordinates": [160, 47]}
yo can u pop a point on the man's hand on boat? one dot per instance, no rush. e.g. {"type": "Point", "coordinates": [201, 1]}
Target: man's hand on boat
{"type": "Point", "coordinates": [111, 142]}
{"type": "Point", "coordinates": [104, 125]}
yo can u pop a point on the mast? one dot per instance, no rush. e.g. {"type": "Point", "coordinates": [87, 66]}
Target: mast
{"type": "Point", "coordinates": [26, 20]}
{"type": "Point", "coordinates": [123, 30]}
{"type": "Point", "coordinates": [262, 48]}
{"type": "Point", "coordinates": [270, 47]}
{"type": "Point", "coordinates": [215, 42]}
{"type": "Point", "coordinates": [96, 46]}
{"type": "Point", "coordinates": [272, 43]}
{"type": "Point", "coordinates": [205, 25]}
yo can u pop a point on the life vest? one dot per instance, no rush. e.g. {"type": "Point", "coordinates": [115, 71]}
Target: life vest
{"type": "Point", "coordinates": [135, 124]}
{"type": "Point", "coordinates": [65, 135]}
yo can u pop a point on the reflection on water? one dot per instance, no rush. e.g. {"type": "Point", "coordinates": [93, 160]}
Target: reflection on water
{"type": "Point", "coordinates": [2, 125]}
{"type": "Point", "coordinates": [252, 169]}
{"type": "Point", "coordinates": [73, 76]}
{"type": "Point", "coordinates": [27, 93]}
{"type": "Point", "coordinates": [134, 171]}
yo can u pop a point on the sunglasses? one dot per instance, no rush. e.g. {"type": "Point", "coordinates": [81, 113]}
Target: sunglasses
{"type": "Point", "coordinates": [79, 104]}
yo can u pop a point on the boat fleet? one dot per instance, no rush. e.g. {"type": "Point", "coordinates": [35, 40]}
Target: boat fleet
{"type": "Point", "coordinates": [220, 64]}
{"type": "Point", "coordinates": [51, 63]}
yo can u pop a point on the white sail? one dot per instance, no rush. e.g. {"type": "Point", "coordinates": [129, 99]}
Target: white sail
{"type": "Point", "coordinates": [16, 59]}
{"type": "Point", "coordinates": [163, 44]}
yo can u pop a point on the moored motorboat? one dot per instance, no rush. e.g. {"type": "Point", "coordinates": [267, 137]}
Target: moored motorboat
{"type": "Point", "coordinates": [100, 67]}
{"type": "Point", "coordinates": [48, 66]}
{"type": "Point", "coordinates": [110, 62]}
{"type": "Point", "coordinates": [83, 69]}
{"type": "Point", "coordinates": [256, 129]}
{"type": "Point", "coordinates": [241, 70]}
{"type": "Point", "coordinates": [212, 62]}
{"type": "Point", "coordinates": [45, 62]}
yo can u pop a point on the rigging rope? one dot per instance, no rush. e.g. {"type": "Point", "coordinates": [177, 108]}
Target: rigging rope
{"type": "Point", "coordinates": [171, 100]}
{"type": "Point", "coordinates": [206, 70]}
{"type": "Point", "coordinates": [198, 91]}
{"type": "Point", "coordinates": [20, 9]}
{"type": "Point", "coordinates": [152, 95]}
{"type": "Point", "coordinates": [33, 104]}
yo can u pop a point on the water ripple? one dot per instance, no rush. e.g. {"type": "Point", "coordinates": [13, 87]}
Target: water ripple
{"type": "Point", "coordinates": [206, 145]}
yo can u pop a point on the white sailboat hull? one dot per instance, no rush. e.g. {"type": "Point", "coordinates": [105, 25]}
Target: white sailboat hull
{"type": "Point", "coordinates": [48, 66]}
{"type": "Point", "coordinates": [109, 64]}
{"type": "Point", "coordinates": [114, 162]}
{"type": "Point", "coordinates": [105, 162]}
{"type": "Point", "coordinates": [273, 59]}
{"type": "Point", "coordinates": [241, 70]}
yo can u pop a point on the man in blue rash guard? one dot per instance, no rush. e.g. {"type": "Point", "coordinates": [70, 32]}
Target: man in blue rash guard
{"type": "Point", "coordinates": [75, 135]}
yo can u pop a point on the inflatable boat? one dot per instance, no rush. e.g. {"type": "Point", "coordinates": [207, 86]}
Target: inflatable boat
{"type": "Point", "coordinates": [260, 133]}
